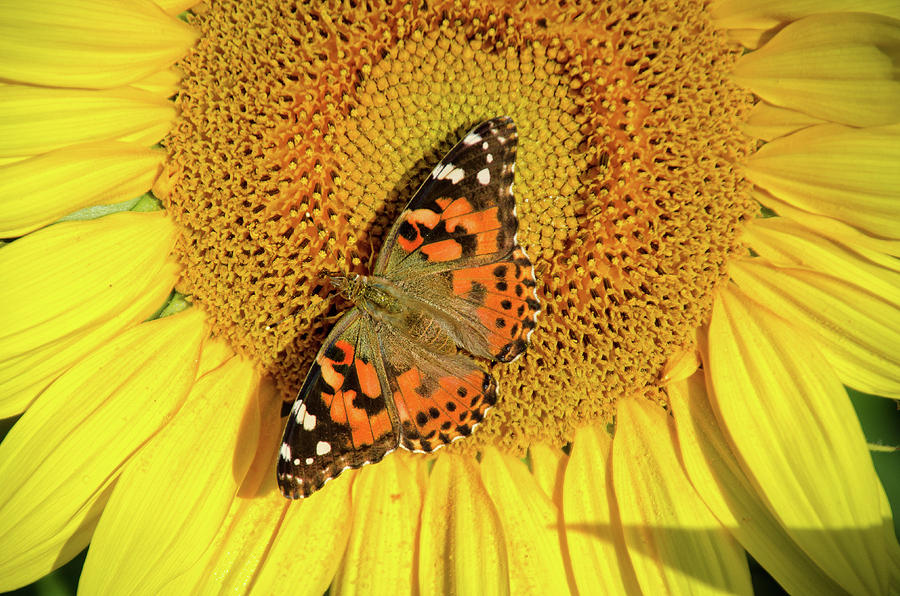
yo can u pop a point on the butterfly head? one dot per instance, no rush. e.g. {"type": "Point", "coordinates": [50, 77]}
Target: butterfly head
{"type": "Point", "coordinates": [350, 285]}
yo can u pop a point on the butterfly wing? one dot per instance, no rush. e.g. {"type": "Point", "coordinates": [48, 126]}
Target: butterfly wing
{"type": "Point", "coordinates": [341, 418]}
{"type": "Point", "coordinates": [438, 397]}
{"type": "Point", "coordinates": [465, 210]}
{"type": "Point", "coordinates": [454, 250]}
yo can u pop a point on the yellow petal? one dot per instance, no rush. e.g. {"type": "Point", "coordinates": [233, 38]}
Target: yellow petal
{"type": "Point", "coordinates": [461, 544]}
{"type": "Point", "coordinates": [530, 523]}
{"type": "Point", "coordinates": [164, 83]}
{"type": "Point", "coordinates": [175, 7]}
{"type": "Point", "coordinates": [549, 465]}
{"type": "Point", "coordinates": [70, 288]}
{"type": "Point", "coordinates": [38, 191]}
{"type": "Point", "coordinates": [675, 543]}
{"type": "Point", "coordinates": [838, 67]}
{"type": "Point", "coordinates": [173, 496]}
{"type": "Point", "coordinates": [594, 537]}
{"type": "Point", "coordinates": [756, 18]}
{"type": "Point", "coordinates": [310, 542]}
{"type": "Point", "coordinates": [60, 457]}
{"type": "Point", "coordinates": [37, 119]}
{"type": "Point", "coordinates": [717, 476]}
{"type": "Point", "coordinates": [857, 330]}
{"type": "Point", "coordinates": [799, 440]}
{"type": "Point", "coordinates": [786, 243]}
{"type": "Point", "coordinates": [828, 227]}
{"type": "Point", "coordinates": [769, 122]}
{"type": "Point", "coordinates": [231, 563]}
{"type": "Point", "coordinates": [680, 365]}
{"type": "Point", "coordinates": [245, 538]}
{"type": "Point", "coordinates": [88, 44]}
{"type": "Point", "coordinates": [386, 505]}
{"type": "Point", "coordinates": [833, 170]}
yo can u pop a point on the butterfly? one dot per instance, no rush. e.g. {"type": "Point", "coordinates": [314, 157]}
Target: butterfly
{"type": "Point", "coordinates": [450, 275]}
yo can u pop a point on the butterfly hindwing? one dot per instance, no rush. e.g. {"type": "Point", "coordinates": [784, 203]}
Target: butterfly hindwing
{"type": "Point", "coordinates": [341, 418]}
{"type": "Point", "coordinates": [439, 397]}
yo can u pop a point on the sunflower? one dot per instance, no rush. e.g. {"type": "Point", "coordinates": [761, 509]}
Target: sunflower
{"type": "Point", "coordinates": [709, 194]}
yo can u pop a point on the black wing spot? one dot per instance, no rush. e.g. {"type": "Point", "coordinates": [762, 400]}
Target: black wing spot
{"type": "Point", "coordinates": [408, 231]}
{"type": "Point", "coordinates": [462, 391]}
{"type": "Point", "coordinates": [335, 354]}
{"type": "Point", "coordinates": [501, 285]}
{"type": "Point", "coordinates": [421, 418]}
{"type": "Point", "coordinates": [532, 303]}
{"type": "Point", "coordinates": [500, 271]}
{"type": "Point", "coordinates": [463, 430]}
{"type": "Point", "coordinates": [446, 425]}
{"type": "Point", "coordinates": [519, 290]}
{"type": "Point", "coordinates": [434, 412]}
{"type": "Point", "coordinates": [451, 407]}
{"type": "Point", "coordinates": [505, 304]}
{"type": "Point", "coordinates": [500, 322]}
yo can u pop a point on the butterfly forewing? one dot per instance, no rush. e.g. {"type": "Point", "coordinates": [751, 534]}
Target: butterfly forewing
{"type": "Point", "coordinates": [341, 417]}
{"type": "Point", "coordinates": [464, 213]}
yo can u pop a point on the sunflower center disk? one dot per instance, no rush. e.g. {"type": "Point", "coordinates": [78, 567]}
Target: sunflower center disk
{"type": "Point", "coordinates": [303, 133]}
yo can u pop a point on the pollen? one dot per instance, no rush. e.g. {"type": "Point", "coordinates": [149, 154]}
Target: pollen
{"type": "Point", "coordinates": [305, 128]}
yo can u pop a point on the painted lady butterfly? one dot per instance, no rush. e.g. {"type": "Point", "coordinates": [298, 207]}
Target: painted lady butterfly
{"type": "Point", "coordinates": [451, 274]}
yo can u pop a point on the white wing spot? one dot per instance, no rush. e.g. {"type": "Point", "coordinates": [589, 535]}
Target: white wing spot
{"type": "Point", "coordinates": [484, 176]}
{"type": "Point", "coordinates": [309, 461]}
{"type": "Point", "coordinates": [285, 452]}
{"type": "Point", "coordinates": [449, 172]}
{"type": "Point", "coordinates": [309, 423]}
{"type": "Point", "coordinates": [471, 139]}
{"type": "Point", "coordinates": [297, 462]}
{"type": "Point", "coordinates": [489, 158]}
{"type": "Point", "coordinates": [485, 145]}
{"type": "Point", "coordinates": [299, 411]}
{"type": "Point", "coordinates": [322, 448]}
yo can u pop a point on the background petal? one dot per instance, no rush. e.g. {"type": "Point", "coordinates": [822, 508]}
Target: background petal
{"type": "Point", "coordinates": [58, 460]}
{"type": "Point", "coordinates": [833, 170]}
{"type": "Point", "coordinates": [857, 330]}
{"type": "Point", "coordinates": [675, 543]}
{"type": "Point", "coordinates": [461, 545]}
{"type": "Point", "coordinates": [37, 119]}
{"type": "Point", "coordinates": [754, 21]}
{"type": "Point", "coordinates": [69, 288]}
{"type": "Point", "coordinates": [37, 191]}
{"type": "Point", "coordinates": [717, 475]}
{"type": "Point", "coordinates": [530, 523]}
{"type": "Point", "coordinates": [386, 505]}
{"type": "Point", "coordinates": [310, 541]}
{"type": "Point", "coordinates": [594, 538]}
{"type": "Point", "coordinates": [88, 44]}
{"type": "Point", "coordinates": [548, 465]}
{"type": "Point", "coordinates": [799, 440]}
{"type": "Point", "coordinates": [840, 67]}
{"type": "Point", "coordinates": [172, 498]}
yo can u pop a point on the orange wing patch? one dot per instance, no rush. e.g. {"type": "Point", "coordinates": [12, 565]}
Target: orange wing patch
{"type": "Point", "coordinates": [436, 413]}
{"type": "Point", "coordinates": [504, 299]}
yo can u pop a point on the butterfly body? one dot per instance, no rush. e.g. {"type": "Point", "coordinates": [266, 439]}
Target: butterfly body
{"type": "Point", "coordinates": [450, 280]}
